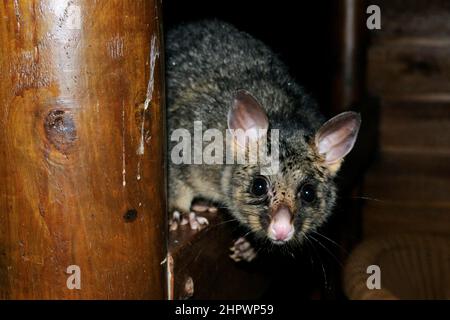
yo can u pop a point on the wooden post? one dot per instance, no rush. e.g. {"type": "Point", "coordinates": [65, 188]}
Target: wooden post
{"type": "Point", "coordinates": [81, 150]}
{"type": "Point", "coordinates": [349, 79]}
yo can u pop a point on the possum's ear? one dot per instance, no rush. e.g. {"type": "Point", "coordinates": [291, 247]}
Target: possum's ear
{"type": "Point", "coordinates": [247, 115]}
{"type": "Point", "coordinates": [336, 138]}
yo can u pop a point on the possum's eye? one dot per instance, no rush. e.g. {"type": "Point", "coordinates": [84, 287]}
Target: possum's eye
{"type": "Point", "coordinates": [308, 193]}
{"type": "Point", "coordinates": [259, 186]}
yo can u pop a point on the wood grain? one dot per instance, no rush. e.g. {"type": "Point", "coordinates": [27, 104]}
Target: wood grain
{"type": "Point", "coordinates": [407, 192]}
{"type": "Point", "coordinates": [418, 178]}
{"type": "Point", "coordinates": [404, 67]}
{"type": "Point", "coordinates": [385, 218]}
{"type": "Point", "coordinates": [422, 127]}
{"type": "Point", "coordinates": [413, 18]}
{"type": "Point", "coordinates": [81, 161]}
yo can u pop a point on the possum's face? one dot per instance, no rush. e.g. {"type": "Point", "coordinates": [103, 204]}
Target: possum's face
{"type": "Point", "coordinates": [286, 205]}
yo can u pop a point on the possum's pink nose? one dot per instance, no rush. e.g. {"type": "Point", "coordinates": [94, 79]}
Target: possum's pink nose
{"type": "Point", "coordinates": [281, 228]}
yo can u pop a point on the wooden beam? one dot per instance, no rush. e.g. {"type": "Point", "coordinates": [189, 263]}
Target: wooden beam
{"type": "Point", "coordinates": [81, 149]}
{"type": "Point", "coordinates": [348, 81]}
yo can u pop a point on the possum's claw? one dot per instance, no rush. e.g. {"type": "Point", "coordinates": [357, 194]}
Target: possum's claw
{"type": "Point", "coordinates": [174, 221]}
{"type": "Point", "coordinates": [242, 250]}
{"type": "Point", "coordinates": [195, 222]}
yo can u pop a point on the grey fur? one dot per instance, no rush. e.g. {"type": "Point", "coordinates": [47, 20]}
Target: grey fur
{"type": "Point", "coordinates": [206, 63]}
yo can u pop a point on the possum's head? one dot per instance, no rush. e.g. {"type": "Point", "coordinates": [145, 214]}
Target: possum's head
{"type": "Point", "coordinates": [285, 205]}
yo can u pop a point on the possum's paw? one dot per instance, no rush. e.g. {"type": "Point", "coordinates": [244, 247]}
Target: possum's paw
{"type": "Point", "coordinates": [242, 250]}
{"type": "Point", "coordinates": [176, 220]}
{"type": "Point", "coordinates": [195, 221]}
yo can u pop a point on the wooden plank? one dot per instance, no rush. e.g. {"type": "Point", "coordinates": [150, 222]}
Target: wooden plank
{"type": "Point", "coordinates": [409, 67]}
{"type": "Point", "coordinates": [380, 218]}
{"type": "Point", "coordinates": [416, 18]}
{"type": "Point", "coordinates": [407, 192]}
{"type": "Point", "coordinates": [410, 178]}
{"type": "Point", "coordinates": [74, 190]}
{"type": "Point", "coordinates": [420, 126]}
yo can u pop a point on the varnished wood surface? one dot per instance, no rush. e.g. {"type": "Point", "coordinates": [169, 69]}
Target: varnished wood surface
{"type": "Point", "coordinates": [81, 162]}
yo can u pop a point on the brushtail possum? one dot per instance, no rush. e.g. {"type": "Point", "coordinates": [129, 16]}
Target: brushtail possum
{"type": "Point", "coordinates": [227, 80]}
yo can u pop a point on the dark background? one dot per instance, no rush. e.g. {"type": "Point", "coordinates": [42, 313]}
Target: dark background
{"type": "Point", "coordinates": [300, 32]}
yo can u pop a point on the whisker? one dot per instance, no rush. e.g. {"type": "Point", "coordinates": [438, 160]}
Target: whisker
{"type": "Point", "coordinates": [329, 252]}
{"type": "Point", "coordinates": [368, 198]}
{"type": "Point", "coordinates": [247, 233]}
{"type": "Point", "coordinates": [320, 260]}
{"type": "Point", "coordinates": [224, 222]}
{"type": "Point", "coordinates": [331, 241]}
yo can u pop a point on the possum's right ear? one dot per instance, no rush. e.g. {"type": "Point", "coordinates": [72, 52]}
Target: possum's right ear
{"type": "Point", "coordinates": [248, 115]}
{"type": "Point", "coordinates": [336, 138]}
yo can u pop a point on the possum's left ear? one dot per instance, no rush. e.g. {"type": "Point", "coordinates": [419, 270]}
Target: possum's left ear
{"type": "Point", "coordinates": [336, 138]}
{"type": "Point", "coordinates": [248, 116]}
